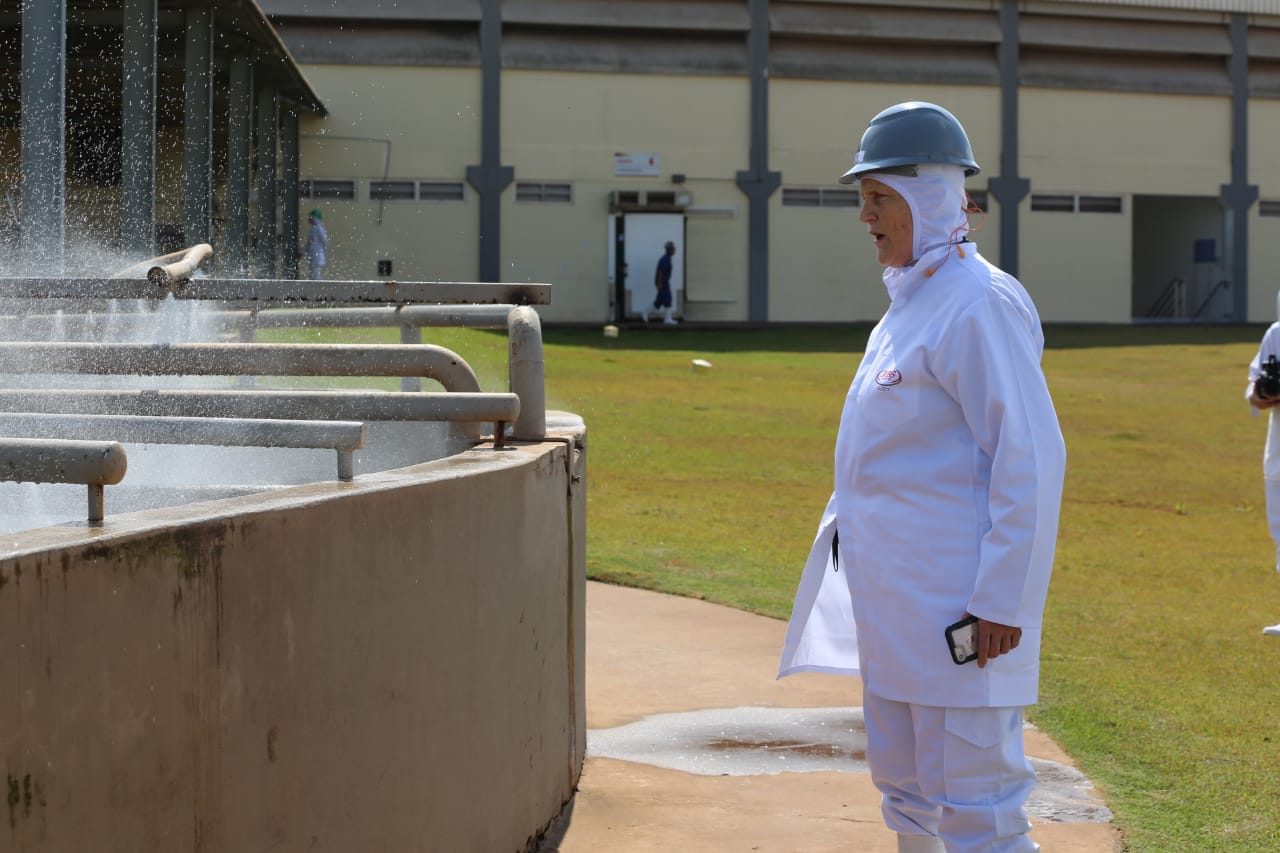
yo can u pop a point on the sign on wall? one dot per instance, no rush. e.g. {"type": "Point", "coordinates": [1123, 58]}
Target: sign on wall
{"type": "Point", "coordinates": [635, 165]}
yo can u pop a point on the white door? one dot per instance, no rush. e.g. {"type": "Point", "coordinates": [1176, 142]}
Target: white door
{"type": "Point", "coordinates": [644, 240]}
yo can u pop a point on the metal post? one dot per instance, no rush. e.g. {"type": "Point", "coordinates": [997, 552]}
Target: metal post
{"type": "Point", "coordinates": [525, 367]}
{"type": "Point", "coordinates": [138, 124]}
{"type": "Point", "coordinates": [1239, 195]}
{"type": "Point", "coordinates": [197, 143]}
{"type": "Point", "coordinates": [1008, 188]}
{"type": "Point", "coordinates": [411, 335]}
{"type": "Point", "coordinates": [239, 165]}
{"type": "Point", "coordinates": [289, 192]}
{"type": "Point", "coordinates": [267, 139]}
{"type": "Point", "coordinates": [490, 178]}
{"type": "Point", "coordinates": [44, 146]}
{"type": "Point", "coordinates": [757, 182]}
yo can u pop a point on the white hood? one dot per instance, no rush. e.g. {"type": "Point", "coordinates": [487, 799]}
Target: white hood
{"type": "Point", "coordinates": [937, 201]}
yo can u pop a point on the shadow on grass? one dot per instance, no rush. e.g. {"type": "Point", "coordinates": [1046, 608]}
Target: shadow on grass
{"type": "Point", "coordinates": [852, 337]}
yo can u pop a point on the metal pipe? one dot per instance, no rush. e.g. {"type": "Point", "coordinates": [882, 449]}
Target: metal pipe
{"type": "Point", "coordinates": [224, 432]}
{"type": "Point", "coordinates": [180, 271]}
{"type": "Point", "coordinates": [170, 267]}
{"type": "Point", "coordinates": [50, 460]}
{"type": "Point", "coordinates": [236, 359]}
{"type": "Point", "coordinates": [244, 321]}
{"type": "Point", "coordinates": [525, 369]}
{"type": "Point", "coordinates": [343, 437]}
{"type": "Point", "coordinates": [271, 291]}
{"type": "Point", "coordinates": [298, 405]}
{"type": "Point", "coordinates": [91, 463]}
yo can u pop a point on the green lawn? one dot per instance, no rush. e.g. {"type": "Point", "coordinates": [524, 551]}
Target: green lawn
{"type": "Point", "coordinates": [1156, 677]}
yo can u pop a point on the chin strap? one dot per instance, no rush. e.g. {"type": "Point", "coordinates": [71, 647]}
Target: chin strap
{"type": "Point", "coordinates": [969, 208]}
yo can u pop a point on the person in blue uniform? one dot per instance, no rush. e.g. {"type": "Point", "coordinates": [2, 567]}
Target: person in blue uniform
{"type": "Point", "coordinates": [662, 281]}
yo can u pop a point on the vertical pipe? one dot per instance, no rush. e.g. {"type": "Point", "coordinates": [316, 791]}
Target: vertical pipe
{"type": "Point", "coordinates": [490, 178]}
{"type": "Point", "coordinates": [1239, 195]}
{"type": "Point", "coordinates": [239, 166]}
{"type": "Point", "coordinates": [289, 192]}
{"type": "Point", "coordinates": [138, 123]}
{"type": "Point", "coordinates": [757, 182]}
{"type": "Point", "coordinates": [1008, 188]}
{"type": "Point", "coordinates": [44, 146]}
{"type": "Point", "coordinates": [97, 503]}
{"type": "Point", "coordinates": [410, 335]}
{"type": "Point", "coordinates": [197, 129]}
{"type": "Point", "coordinates": [267, 138]}
{"type": "Point", "coordinates": [525, 364]}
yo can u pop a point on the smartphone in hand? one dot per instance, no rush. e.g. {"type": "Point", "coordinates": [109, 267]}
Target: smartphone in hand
{"type": "Point", "coordinates": [962, 639]}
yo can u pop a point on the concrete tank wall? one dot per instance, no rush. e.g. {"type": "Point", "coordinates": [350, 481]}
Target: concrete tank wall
{"type": "Point", "coordinates": [390, 664]}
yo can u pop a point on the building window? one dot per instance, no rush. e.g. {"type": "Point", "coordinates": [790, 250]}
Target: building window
{"type": "Point", "coordinates": [1077, 203]}
{"type": "Point", "coordinates": [1099, 204]}
{"type": "Point", "coordinates": [979, 199]}
{"type": "Point", "coordinates": [392, 191]}
{"type": "Point", "coordinates": [315, 188]}
{"type": "Point", "coordinates": [555, 193]}
{"type": "Point", "coordinates": [1269, 208]}
{"type": "Point", "coordinates": [819, 197]}
{"type": "Point", "coordinates": [441, 191]}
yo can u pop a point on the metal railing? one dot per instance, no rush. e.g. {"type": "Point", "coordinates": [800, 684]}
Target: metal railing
{"type": "Point", "coordinates": [263, 417]}
{"type": "Point", "coordinates": [90, 463]}
{"type": "Point", "coordinates": [343, 437]}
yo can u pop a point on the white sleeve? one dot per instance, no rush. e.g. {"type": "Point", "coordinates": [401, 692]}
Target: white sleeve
{"type": "Point", "coordinates": [989, 362]}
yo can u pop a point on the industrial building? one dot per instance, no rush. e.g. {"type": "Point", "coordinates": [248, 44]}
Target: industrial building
{"type": "Point", "coordinates": [1129, 173]}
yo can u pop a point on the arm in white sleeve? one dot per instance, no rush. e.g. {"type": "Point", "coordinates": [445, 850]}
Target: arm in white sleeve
{"type": "Point", "coordinates": [989, 363]}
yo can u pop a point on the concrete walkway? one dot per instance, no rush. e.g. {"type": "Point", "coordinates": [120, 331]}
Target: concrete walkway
{"type": "Point", "coordinates": [693, 745]}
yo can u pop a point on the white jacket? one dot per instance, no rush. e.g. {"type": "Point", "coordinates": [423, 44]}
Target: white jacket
{"type": "Point", "coordinates": [948, 480]}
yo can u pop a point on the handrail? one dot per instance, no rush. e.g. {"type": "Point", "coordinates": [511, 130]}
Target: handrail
{"type": "Point", "coordinates": [90, 463]}
{"type": "Point", "coordinates": [1221, 285]}
{"type": "Point", "coordinates": [343, 437]}
{"type": "Point", "coordinates": [264, 291]}
{"type": "Point", "coordinates": [1168, 299]}
{"type": "Point", "coordinates": [291, 405]}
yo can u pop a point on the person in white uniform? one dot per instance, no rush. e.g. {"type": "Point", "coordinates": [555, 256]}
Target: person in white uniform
{"type": "Point", "coordinates": [949, 464]}
{"type": "Point", "coordinates": [1256, 394]}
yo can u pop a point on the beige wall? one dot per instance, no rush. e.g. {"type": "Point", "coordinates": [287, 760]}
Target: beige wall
{"type": "Point", "coordinates": [1104, 143]}
{"type": "Point", "coordinates": [390, 664]}
{"type": "Point", "coordinates": [822, 265]}
{"type": "Point", "coordinates": [429, 122]}
{"type": "Point", "coordinates": [565, 127]}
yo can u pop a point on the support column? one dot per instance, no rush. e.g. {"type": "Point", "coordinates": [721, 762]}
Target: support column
{"type": "Point", "coordinates": [490, 178]}
{"type": "Point", "coordinates": [758, 183]}
{"type": "Point", "coordinates": [268, 135]}
{"type": "Point", "coordinates": [138, 123]}
{"type": "Point", "coordinates": [1239, 195]}
{"type": "Point", "coordinates": [1008, 187]}
{"type": "Point", "coordinates": [197, 125]}
{"type": "Point", "coordinates": [289, 192]}
{"type": "Point", "coordinates": [44, 144]}
{"type": "Point", "coordinates": [239, 166]}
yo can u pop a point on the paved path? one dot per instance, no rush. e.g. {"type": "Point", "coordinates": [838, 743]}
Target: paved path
{"type": "Point", "coordinates": [688, 731]}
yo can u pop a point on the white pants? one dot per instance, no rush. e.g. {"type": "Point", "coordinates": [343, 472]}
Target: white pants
{"type": "Point", "coordinates": [1273, 514]}
{"type": "Point", "coordinates": [957, 773]}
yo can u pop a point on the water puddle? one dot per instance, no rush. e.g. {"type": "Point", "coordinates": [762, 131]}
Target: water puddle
{"type": "Point", "coordinates": [754, 741]}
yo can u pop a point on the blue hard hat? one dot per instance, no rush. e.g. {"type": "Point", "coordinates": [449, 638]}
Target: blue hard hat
{"type": "Point", "coordinates": [909, 134]}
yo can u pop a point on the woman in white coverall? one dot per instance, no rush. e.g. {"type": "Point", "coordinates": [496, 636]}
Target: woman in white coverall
{"type": "Point", "coordinates": [948, 479]}
{"type": "Point", "coordinates": [1271, 455]}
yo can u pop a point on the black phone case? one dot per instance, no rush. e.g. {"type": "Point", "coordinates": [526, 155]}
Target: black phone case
{"type": "Point", "coordinates": [951, 643]}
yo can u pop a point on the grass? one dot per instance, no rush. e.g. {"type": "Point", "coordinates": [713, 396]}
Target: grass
{"type": "Point", "coordinates": [1155, 676]}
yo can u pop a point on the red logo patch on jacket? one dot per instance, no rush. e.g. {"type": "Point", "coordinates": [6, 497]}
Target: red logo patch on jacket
{"type": "Point", "coordinates": [888, 377]}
